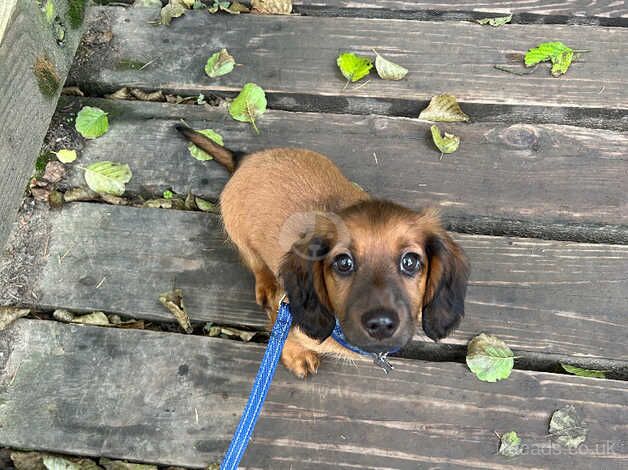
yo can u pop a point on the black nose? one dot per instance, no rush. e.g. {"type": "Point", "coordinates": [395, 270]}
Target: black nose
{"type": "Point", "coordinates": [380, 324]}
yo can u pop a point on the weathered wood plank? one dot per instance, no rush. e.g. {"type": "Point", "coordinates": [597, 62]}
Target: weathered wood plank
{"type": "Point", "coordinates": [604, 13]}
{"type": "Point", "coordinates": [28, 48]}
{"type": "Point", "coordinates": [521, 179]}
{"type": "Point", "coordinates": [302, 74]}
{"type": "Point", "coordinates": [547, 297]}
{"type": "Point", "coordinates": [187, 392]}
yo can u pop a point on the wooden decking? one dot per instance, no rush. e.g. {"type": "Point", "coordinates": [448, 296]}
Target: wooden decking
{"type": "Point", "coordinates": [536, 195]}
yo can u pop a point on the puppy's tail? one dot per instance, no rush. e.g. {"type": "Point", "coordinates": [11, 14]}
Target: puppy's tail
{"type": "Point", "coordinates": [222, 155]}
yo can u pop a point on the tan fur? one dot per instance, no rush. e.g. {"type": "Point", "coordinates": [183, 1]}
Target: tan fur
{"type": "Point", "coordinates": [260, 207]}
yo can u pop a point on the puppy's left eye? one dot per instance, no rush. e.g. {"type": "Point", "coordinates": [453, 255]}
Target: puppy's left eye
{"type": "Point", "coordinates": [410, 264]}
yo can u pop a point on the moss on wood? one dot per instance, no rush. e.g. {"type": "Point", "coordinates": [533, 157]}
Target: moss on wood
{"type": "Point", "coordinates": [47, 76]}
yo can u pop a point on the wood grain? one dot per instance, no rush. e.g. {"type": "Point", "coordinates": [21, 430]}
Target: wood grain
{"type": "Point", "coordinates": [519, 179]}
{"type": "Point", "coordinates": [547, 297]}
{"type": "Point", "coordinates": [302, 74]}
{"type": "Point", "coordinates": [24, 111]}
{"type": "Point", "coordinates": [607, 12]}
{"type": "Point", "coordinates": [187, 393]}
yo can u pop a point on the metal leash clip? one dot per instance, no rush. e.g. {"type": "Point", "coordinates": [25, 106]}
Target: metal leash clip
{"type": "Point", "coordinates": [381, 360]}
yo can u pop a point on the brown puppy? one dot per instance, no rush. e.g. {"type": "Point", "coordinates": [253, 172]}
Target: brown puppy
{"type": "Point", "coordinates": [304, 229]}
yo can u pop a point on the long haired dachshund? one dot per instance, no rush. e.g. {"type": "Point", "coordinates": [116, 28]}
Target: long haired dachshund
{"type": "Point", "coordinates": [303, 229]}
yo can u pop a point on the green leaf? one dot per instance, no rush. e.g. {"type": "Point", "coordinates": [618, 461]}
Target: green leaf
{"type": "Point", "coordinates": [510, 445]}
{"type": "Point", "coordinates": [91, 122]}
{"type": "Point", "coordinates": [59, 463]}
{"type": "Point", "coordinates": [558, 53]}
{"type": "Point", "coordinates": [220, 63]}
{"type": "Point", "coordinates": [170, 11]}
{"type": "Point", "coordinates": [496, 22]}
{"type": "Point", "coordinates": [205, 206]}
{"type": "Point", "coordinates": [566, 427]}
{"type": "Point", "coordinates": [249, 104]}
{"type": "Point", "coordinates": [168, 194]}
{"type": "Point", "coordinates": [108, 177]}
{"type": "Point", "coordinates": [66, 155]}
{"type": "Point", "coordinates": [489, 358]}
{"type": "Point", "coordinates": [388, 70]}
{"type": "Point", "coordinates": [447, 144]}
{"type": "Point", "coordinates": [443, 108]}
{"type": "Point", "coordinates": [50, 11]}
{"type": "Point", "coordinates": [199, 154]}
{"type": "Point", "coordinates": [598, 374]}
{"type": "Point", "coordinates": [354, 67]}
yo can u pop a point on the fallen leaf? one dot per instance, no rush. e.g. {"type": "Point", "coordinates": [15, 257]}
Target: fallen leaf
{"type": "Point", "coordinates": [167, 194]}
{"type": "Point", "coordinates": [598, 374]}
{"type": "Point", "coordinates": [354, 67]}
{"type": "Point", "coordinates": [388, 70]}
{"type": "Point", "coordinates": [163, 203]}
{"type": "Point", "coordinates": [489, 358]}
{"type": "Point", "coordinates": [206, 206]}
{"type": "Point", "coordinates": [49, 11]}
{"type": "Point", "coordinates": [123, 93]}
{"type": "Point", "coordinates": [91, 122]}
{"type": "Point", "coordinates": [443, 108]}
{"type": "Point", "coordinates": [108, 177]}
{"type": "Point", "coordinates": [215, 330]}
{"type": "Point", "coordinates": [59, 463]}
{"type": "Point", "coordinates": [80, 194]}
{"type": "Point", "coordinates": [219, 64]}
{"type": "Point", "coordinates": [249, 105]}
{"type": "Point", "coordinates": [566, 427]}
{"type": "Point", "coordinates": [94, 318]}
{"type": "Point", "coordinates": [63, 315]}
{"type": "Point", "coordinates": [55, 199]}
{"type": "Point", "coordinates": [54, 172]}
{"type": "Point", "coordinates": [174, 9]}
{"type": "Point", "coordinates": [66, 155]}
{"type": "Point", "coordinates": [173, 301]}
{"type": "Point", "coordinates": [496, 22]}
{"type": "Point", "coordinates": [200, 154]}
{"type": "Point", "coordinates": [218, 5]}
{"type": "Point", "coordinates": [447, 144]}
{"type": "Point", "coordinates": [272, 7]}
{"type": "Point", "coordinates": [235, 8]}
{"type": "Point", "coordinates": [115, 200]}
{"type": "Point", "coordinates": [154, 96]}
{"type": "Point", "coordinates": [120, 465]}
{"type": "Point", "coordinates": [510, 445]}
{"type": "Point", "coordinates": [558, 53]}
{"type": "Point", "coordinates": [9, 314]}
{"type": "Point", "coordinates": [40, 194]}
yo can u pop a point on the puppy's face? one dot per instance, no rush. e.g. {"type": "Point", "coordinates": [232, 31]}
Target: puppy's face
{"type": "Point", "coordinates": [380, 271]}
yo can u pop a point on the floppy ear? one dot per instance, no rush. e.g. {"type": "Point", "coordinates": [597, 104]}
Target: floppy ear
{"type": "Point", "coordinates": [301, 272]}
{"type": "Point", "coordinates": [448, 272]}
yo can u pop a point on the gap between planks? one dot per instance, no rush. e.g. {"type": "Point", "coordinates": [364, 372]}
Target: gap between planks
{"type": "Point", "coordinates": [273, 60]}
{"type": "Point", "coordinates": [187, 393]}
{"type": "Point", "coordinates": [541, 297]}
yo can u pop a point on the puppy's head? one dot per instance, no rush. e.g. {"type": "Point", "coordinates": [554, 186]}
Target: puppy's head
{"type": "Point", "coordinates": [380, 269]}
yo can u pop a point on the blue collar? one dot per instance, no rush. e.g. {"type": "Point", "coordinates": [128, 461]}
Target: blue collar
{"type": "Point", "coordinates": [379, 359]}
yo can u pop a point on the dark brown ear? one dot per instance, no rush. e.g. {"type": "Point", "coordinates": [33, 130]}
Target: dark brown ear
{"type": "Point", "coordinates": [448, 273]}
{"type": "Point", "coordinates": [301, 272]}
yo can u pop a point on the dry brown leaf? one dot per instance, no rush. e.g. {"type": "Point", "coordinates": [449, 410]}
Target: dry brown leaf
{"type": "Point", "coordinates": [54, 171]}
{"type": "Point", "coordinates": [80, 194]}
{"type": "Point", "coordinates": [121, 94]}
{"type": "Point", "coordinates": [443, 108]}
{"type": "Point", "coordinates": [115, 200]}
{"type": "Point", "coordinates": [9, 314]}
{"type": "Point", "coordinates": [272, 7]}
{"type": "Point", "coordinates": [144, 96]}
{"type": "Point", "coordinates": [173, 301]}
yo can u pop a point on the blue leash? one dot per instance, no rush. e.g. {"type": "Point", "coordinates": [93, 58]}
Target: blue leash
{"type": "Point", "coordinates": [265, 375]}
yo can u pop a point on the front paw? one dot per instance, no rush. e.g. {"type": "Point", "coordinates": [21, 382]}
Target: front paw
{"type": "Point", "coordinates": [299, 360]}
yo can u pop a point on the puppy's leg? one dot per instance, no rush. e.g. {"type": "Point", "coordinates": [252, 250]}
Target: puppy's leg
{"type": "Point", "coordinates": [298, 359]}
{"type": "Point", "coordinates": [266, 285]}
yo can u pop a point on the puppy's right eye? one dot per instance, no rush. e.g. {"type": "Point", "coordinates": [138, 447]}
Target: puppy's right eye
{"type": "Point", "coordinates": [343, 264]}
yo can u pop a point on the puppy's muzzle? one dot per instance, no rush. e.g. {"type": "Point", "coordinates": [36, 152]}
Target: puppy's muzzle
{"type": "Point", "coordinates": [380, 324]}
